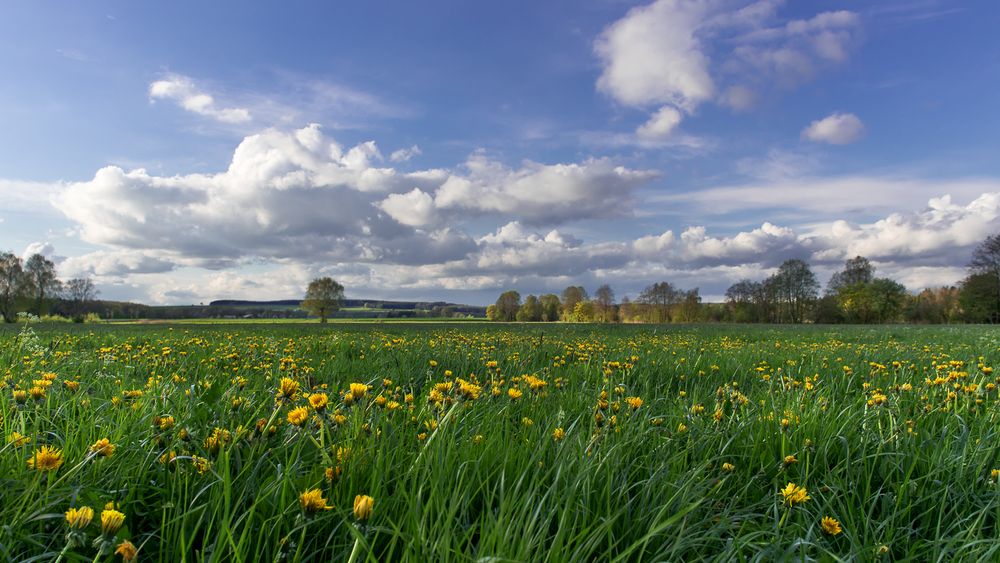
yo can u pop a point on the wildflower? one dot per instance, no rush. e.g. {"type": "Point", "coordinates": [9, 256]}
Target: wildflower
{"type": "Point", "coordinates": [477, 439]}
{"type": "Point", "coordinates": [46, 459]}
{"type": "Point", "coordinates": [995, 474]}
{"type": "Point", "coordinates": [790, 459]}
{"type": "Point", "coordinates": [634, 402]}
{"type": "Point", "coordinates": [318, 401]}
{"type": "Point", "coordinates": [312, 501]}
{"type": "Point", "coordinates": [287, 388]}
{"type": "Point", "coordinates": [728, 467]}
{"type": "Point", "coordinates": [111, 521]}
{"type": "Point", "coordinates": [363, 505]}
{"type": "Point", "coordinates": [126, 550]}
{"type": "Point", "coordinates": [79, 518]}
{"type": "Point", "coordinates": [332, 473]}
{"type": "Point", "coordinates": [514, 393]}
{"type": "Point", "coordinates": [20, 396]}
{"type": "Point", "coordinates": [794, 494]}
{"type": "Point", "coordinates": [103, 448]}
{"type": "Point", "coordinates": [298, 416]}
{"type": "Point", "coordinates": [681, 427]}
{"type": "Point", "coordinates": [164, 423]}
{"type": "Point", "coordinates": [527, 421]}
{"type": "Point", "coordinates": [830, 526]}
{"type": "Point", "coordinates": [358, 390]}
{"type": "Point", "coordinates": [18, 440]}
{"type": "Point", "coordinates": [203, 465]}
{"type": "Point", "coordinates": [558, 434]}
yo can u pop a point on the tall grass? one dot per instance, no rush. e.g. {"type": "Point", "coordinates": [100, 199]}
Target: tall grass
{"type": "Point", "coordinates": [902, 455]}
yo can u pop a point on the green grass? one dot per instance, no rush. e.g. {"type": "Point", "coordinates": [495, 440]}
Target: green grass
{"type": "Point", "coordinates": [896, 452]}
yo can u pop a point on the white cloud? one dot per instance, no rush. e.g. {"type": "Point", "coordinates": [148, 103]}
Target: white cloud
{"type": "Point", "coordinates": [113, 263]}
{"type": "Point", "coordinates": [661, 124]}
{"type": "Point", "coordinates": [653, 56]}
{"type": "Point", "coordinates": [541, 193]}
{"type": "Point", "coordinates": [182, 90]}
{"type": "Point", "coordinates": [677, 54]}
{"type": "Point", "coordinates": [835, 129]}
{"type": "Point", "coordinates": [300, 196]}
{"type": "Point", "coordinates": [403, 155]}
{"type": "Point", "coordinates": [44, 248]}
{"type": "Point", "coordinates": [414, 208]}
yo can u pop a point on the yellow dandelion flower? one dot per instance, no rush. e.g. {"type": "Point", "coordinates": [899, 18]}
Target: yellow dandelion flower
{"type": "Point", "coordinates": [794, 494]}
{"type": "Point", "coordinates": [79, 518]}
{"type": "Point", "coordinates": [312, 501]}
{"type": "Point", "coordinates": [790, 459]}
{"type": "Point", "coordinates": [830, 526]}
{"type": "Point", "coordinates": [103, 448]}
{"type": "Point", "coordinates": [111, 521]}
{"type": "Point", "coordinates": [17, 439]}
{"type": "Point", "coordinates": [46, 459]}
{"type": "Point", "coordinates": [558, 434]}
{"type": "Point", "coordinates": [318, 401]}
{"type": "Point", "coordinates": [363, 505]}
{"type": "Point", "coordinates": [127, 550]}
{"type": "Point", "coordinates": [514, 393]}
{"type": "Point", "coordinates": [728, 467]}
{"type": "Point", "coordinates": [287, 388]}
{"type": "Point", "coordinates": [298, 416]}
{"type": "Point", "coordinates": [358, 390]}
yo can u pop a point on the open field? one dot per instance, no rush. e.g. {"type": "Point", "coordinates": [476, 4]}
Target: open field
{"type": "Point", "coordinates": [500, 443]}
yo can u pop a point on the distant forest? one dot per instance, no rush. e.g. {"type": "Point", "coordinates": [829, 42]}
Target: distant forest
{"type": "Point", "coordinates": [791, 295]}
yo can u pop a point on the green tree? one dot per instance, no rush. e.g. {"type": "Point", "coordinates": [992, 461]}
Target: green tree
{"type": "Point", "coordinates": [550, 307]}
{"type": "Point", "coordinates": [507, 306]}
{"type": "Point", "coordinates": [583, 312]}
{"type": "Point", "coordinates": [570, 297]}
{"type": "Point", "coordinates": [40, 276]}
{"type": "Point", "coordinates": [986, 262]}
{"type": "Point", "coordinates": [530, 311]}
{"type": "Point", "coordinates": [323, 297]}
{"type": "Point", "coordinates": [978, 297]}
{"type": "Point", "coordinates": [79, 292]}
{"type": "Point", "coordinates": [491, 312]}
{"type": "Point", "coordinates": [11, 285]}
{"type": "Point", "coordinates": [604, 304]}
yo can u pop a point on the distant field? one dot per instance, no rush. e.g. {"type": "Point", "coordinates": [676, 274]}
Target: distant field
{"type": "Point", "coordinates": [258, 441]}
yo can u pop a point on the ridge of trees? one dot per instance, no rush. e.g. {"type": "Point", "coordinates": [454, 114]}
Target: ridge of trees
{"type": "Point", "coordinates": [791, 295]}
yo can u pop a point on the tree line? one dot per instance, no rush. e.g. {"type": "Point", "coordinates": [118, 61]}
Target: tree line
{"type": "Point", "coordinates": [854, 294]}
{"type": "Point", "coordinates": [31, 286]}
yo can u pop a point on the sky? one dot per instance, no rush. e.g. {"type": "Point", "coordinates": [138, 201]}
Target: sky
{"type": "Point", "coordinates": [180, 152]}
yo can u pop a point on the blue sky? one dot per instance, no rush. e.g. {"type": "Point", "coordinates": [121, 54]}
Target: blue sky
{"type": "Point", "coordinates": [182, 152]}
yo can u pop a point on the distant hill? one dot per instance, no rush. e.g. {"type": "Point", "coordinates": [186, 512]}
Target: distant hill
{"type": "Point", "coordinates": [280, 309]}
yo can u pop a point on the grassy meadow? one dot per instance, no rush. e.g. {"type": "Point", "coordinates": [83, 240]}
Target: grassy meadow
{"type": "Point", "coordinates": [452, 442]}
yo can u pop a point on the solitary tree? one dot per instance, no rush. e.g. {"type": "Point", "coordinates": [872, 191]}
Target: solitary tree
{"type": "Point", "coordinates": [40, 275]}
{"type": "Point", "coordinates": [323, 297]}
{"type": "Point", "coordinates": [78, 292]}
{"type": "Point", "coordinates": [570, 297]}
{"type": "Point", "coordinates": [11, 284]}
{"type": "Point", "coordinates": [604, 304]}
{"type": "Point", "coordinates": [550, 307]}
{"type": "Point", "coordinates": [986, 262]}
{"type": "Point", "coordinates": [507, 306]}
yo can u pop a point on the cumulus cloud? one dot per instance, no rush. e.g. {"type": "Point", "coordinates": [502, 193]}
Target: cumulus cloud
{"type": "Point", "coordinates": [835, 129]}
{"type": "Point", "coordinates": [113, 263]}
{"type": "Point", "coordinates": [661, 124]}
{"type": "Point", "coordinates": [653, 55]}
{"type": "Point", "coordinates": [182, 90]}
{"type": "Point", "coordinates": [403, 155]}
{"type": "Point", "coordinates": [543, 193]}
{"type": "Point", "coordinates": [678, 54]}
{"type": "Point", "coordinates": [44, 248]}
{"type": "Point", "coordinates": [301, 196]}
